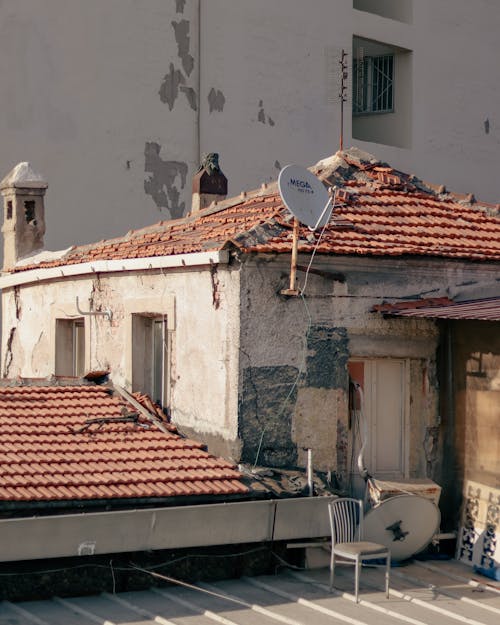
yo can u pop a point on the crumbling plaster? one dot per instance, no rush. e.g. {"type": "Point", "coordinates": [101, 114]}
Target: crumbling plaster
{"type": "Point", "coordinates": [204, 338]}
{"type": "Point", "coordinates": [301, 347]}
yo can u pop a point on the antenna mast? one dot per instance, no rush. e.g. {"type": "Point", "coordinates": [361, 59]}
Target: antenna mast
{"type": "Point", "coordinates": [342, 94]}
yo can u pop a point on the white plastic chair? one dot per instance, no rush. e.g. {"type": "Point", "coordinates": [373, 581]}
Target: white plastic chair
{"type": "Point", "coordinates": [346, 524]}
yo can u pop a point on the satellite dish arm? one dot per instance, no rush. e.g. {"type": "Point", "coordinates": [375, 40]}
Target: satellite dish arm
{"type": "Point", "coordinates": [331, 202]}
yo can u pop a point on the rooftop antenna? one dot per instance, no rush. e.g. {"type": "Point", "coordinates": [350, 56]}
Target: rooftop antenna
{"type": "Point", "coordinates": [307, 198]}
{"type": "Point", "coordinates": [342, 94]}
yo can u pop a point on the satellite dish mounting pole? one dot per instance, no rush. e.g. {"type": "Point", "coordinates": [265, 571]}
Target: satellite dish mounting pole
{"type": "Point", "coordinates": [295, 246]}
{"type": "Point", "coordinates": [308, 201]}
{"type": "Point", "coordinates": [342, 95]}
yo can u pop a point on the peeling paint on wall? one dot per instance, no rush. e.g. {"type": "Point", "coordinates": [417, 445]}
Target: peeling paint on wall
{"type": "Point", "coordinates": [265, 415]}
{"type": "Point", "coordinates": [216, 101]}
{"type": "Point", "coordinates": [181, 30]}
{"type": "Point", "coordinates": [327, 358]}
{"type": "Point", "coordinates": [169, 89]}
{"type": "Point", "coordinates": [262, 116]}
{"type": "Point", "coordinates": [190, 94]}
{"type": "Point", "coordinates": [161, 184]}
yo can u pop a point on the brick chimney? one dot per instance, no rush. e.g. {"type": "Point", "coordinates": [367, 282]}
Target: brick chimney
{"type": "Point", "coordinates": [209, 183]}
{"type": "Point", "coordinates": [24, 213]}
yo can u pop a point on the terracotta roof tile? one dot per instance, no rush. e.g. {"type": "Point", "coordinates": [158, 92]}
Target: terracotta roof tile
{"type": "Point", "coordinates": [50, 450]}
{"type": "Point", "coordinates": [382, 204]}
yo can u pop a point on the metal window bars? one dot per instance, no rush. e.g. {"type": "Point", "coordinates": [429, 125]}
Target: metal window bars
{"type": "Point", "coordinates": [373, 84]}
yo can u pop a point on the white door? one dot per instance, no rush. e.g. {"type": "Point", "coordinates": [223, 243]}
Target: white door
{"type": "Point", "coordinates": [383, 382]}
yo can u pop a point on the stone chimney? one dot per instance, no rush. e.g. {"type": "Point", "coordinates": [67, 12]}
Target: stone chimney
{"type": "Point", "coordinates": [24, 213]}
{"type": "Point", "coordinates": [209, 183]}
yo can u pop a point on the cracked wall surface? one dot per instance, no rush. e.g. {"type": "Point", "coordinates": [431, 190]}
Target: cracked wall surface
{"type": "Point", "coordinates": [294, 354]}
{"type": "Point", "coordinates": [203, 337]}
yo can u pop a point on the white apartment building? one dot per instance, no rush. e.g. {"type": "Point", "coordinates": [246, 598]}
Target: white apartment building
{"type": "Point", "coordinates": [118, 100]}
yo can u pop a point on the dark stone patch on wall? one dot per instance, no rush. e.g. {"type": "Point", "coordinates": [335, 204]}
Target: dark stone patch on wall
{"type": "Point", "coordinates": [265, 415]}
{"type": "Point", "coordinates": [179, 6]}
{"type": "Point", "coordinates": [277, 164]}
{"type": "Point", "coordinates": [216, 101]}
{"type": "Point", "coordinates": [169, 89]}
{"type": "Point", "coordinates": [161, 184]}
{"type": "Point", "coordinates": [327, 357]}
{"type": "Point", "coordinates": [181, 30]}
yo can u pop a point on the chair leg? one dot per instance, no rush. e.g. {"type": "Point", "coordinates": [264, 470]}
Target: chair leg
{"type": "Point", "coordinates": [332, 569]}
{"type": "Point", "coordinates": [387, 569]}
{"type": "Point", "coordinates": [358, 565]}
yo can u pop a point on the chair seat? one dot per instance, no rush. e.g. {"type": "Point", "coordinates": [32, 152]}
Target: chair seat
{"type": "Point", "coordinates": [361, 548]}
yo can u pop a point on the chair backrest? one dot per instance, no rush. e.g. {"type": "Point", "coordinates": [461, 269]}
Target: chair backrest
{"type": "Point", "coordinates": [346, 519]}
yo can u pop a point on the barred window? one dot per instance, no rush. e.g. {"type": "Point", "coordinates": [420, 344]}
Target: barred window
{"type": "Point", "coordinates": [372, 84]}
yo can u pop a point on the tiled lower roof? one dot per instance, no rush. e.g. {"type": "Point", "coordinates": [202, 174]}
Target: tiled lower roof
{"type": "Point", "coordinates": [391, 214]}
{"type": "Point", "coordinates": [484, 309]}
{"type": "Point", "coordinates": [68, 443]}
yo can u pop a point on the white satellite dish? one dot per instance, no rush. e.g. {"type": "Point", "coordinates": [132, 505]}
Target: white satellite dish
{"type": "Point", "coordinates": [405, 524]}
{"type": "Point", "coordinates": [305, 196]}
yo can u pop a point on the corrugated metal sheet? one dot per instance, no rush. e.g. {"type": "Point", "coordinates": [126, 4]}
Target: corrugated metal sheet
{"type": "Point", "coordinates": [423, 593]}
{"type": "Point", "coordinates": [487, 309]}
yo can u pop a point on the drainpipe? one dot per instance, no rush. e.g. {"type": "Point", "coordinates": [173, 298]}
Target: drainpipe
{"type": "Point", "coordinates": [198, 112]}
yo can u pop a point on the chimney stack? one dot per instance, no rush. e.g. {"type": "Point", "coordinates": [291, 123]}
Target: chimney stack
{"type": "Point", "coordinates": [24, 213]}
{"type": "Point", "coordinates": [209, 183]}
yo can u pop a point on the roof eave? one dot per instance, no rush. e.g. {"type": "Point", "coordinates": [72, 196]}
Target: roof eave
{"type": "Point", "coordinates": [114, 266]}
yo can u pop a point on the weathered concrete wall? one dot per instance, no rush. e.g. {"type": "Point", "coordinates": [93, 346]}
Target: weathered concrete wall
{"type": "Point", "coordinates": [204, 335]}
{"type": "Point", "coordinates": [470, 466]}
{"type": "Point", "coordinates": [294, 353]}
{"type": "Point", "coordinates": [111, 101]}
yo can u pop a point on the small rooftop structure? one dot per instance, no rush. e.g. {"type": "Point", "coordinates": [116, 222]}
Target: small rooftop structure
{"type": "Point", "coordinates": [23, 176]}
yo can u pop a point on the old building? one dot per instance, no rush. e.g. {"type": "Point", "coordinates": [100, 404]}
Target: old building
{"type": "Point", "coordinates": [191, 311]}
{"type": "Point", "coordinates": [118, 100]}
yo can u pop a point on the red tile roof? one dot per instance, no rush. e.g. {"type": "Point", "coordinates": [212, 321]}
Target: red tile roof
{"type": "Point", "coordinates": [485, 309]}
{"type": "Point", "coordinates": [86, 443]}
{"type": "Point", "coordinates": [392, 214]}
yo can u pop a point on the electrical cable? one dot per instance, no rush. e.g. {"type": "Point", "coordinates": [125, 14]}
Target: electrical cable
{"type": "Point", "coordinates": [302, 291]}
{"type": "Point", "coordinates": [129, 568]}
{"type": "Point", "coordinates": [306, 336]}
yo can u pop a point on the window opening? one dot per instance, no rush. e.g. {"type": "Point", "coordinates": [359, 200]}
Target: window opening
{"type": "Point", "coordinates": [70, 347]}
{"type": "Point", "coordinates": [159, 350]}
{"type": "Point", "coordinates": [373, 78]}
{"type": "Point", "coordinates": [9, 209]}
{"type": "Point", "coordinates": [29, 210]}
{"type": "Point", "coordinates": [150, 356]}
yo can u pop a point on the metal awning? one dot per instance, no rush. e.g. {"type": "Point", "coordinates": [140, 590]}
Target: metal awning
{"type": "Point", "coordinates": [486, 309]}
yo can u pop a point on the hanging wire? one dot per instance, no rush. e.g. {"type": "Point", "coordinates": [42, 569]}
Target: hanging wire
{"type": "Point", "coordinates": [303, 289]}
{"type": "Point", "coordinates": [306, 336]}
{"type": "Point", "coordinates": [296, 381]}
